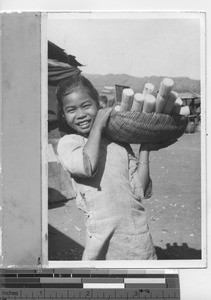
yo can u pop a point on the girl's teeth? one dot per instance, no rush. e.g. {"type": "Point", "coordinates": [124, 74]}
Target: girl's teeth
{"type": "Point", "coordinates": [84, 123]}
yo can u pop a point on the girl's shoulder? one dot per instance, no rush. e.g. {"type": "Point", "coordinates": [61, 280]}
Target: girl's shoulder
{"type": "Point", "coordinates": [71, 138]}
{"type": "Point", "coordinates": [71, 141]}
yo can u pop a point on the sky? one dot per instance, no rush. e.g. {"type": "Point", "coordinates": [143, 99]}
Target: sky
{"type": "Point", "coordinates": [136, 46]}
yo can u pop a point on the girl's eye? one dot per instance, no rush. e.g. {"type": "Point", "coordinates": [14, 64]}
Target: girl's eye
{"type": "Point", "coordinates": [87, 105]}
{"type": "Point", "coordinates": [70, 111]}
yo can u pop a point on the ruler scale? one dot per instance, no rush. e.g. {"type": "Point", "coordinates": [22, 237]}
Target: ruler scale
{"type": "Point", "coordinates": [54, 284]}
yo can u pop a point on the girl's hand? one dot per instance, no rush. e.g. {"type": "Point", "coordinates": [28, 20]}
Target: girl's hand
{"type": "Point", "coordinates": [92, 147]}
{"type": "Point", "coordinates": [102, 117]}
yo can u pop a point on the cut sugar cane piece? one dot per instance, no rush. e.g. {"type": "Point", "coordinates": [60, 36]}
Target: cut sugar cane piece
{"type": "Point", "coordinates": [185, 111]}
{"type": "Point", "coordinates": [170, 102]}
{"type": "Point", "coordinates": [127, 99]}
{"type": "Point", "coordinates": [138, 102]}
{"type": "Point", "coordinates": [166, 87]}
{"type": "Point", "coordinates": [149, 104]}
{"type": "Point", "coordinates": [148, 88]}
{"type": "Point", "coordinates": [177, 106]}
{"type": "Point", "coordinates": [117, 108]}
{"type": "Point", "coordinates": [160, 103]}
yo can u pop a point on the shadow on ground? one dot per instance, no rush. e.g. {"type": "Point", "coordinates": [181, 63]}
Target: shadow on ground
{"type": "Point", "coordinates": [56, 199]}
{"type": "Point", "coordinates": [177, 252]}
{"type": "Point", "coordinates": [61, 247]}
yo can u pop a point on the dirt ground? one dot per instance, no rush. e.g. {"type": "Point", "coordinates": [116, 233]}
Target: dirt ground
{"type": "Point", "coordinates": [174, 210]}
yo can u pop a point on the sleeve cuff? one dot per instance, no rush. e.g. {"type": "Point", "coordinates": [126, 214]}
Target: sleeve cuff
{"type": "Point", "coordinates": [88, 166]}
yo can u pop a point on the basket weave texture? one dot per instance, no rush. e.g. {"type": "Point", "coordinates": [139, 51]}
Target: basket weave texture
{"type": "Point", "coordinates": [136, 128]}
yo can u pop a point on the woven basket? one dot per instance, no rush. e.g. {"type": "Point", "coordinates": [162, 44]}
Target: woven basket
{"type": "Point", "coordinates": [136, 128]}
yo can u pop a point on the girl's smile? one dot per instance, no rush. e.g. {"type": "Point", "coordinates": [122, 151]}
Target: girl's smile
{"type": "Point", "coordinates": [80, 110]}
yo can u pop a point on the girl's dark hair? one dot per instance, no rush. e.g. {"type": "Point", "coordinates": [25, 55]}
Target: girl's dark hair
{"type": "Point", "coordinates": [68, 86]}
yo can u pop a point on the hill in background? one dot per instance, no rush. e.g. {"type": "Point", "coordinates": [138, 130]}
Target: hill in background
{"type": "Point", "coordinates": [181, 84]}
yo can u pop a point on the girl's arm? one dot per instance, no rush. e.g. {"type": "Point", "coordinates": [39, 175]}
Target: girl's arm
{"type": "Point", "coordinates": [143, 167]}
{"type": "Point", "coordinates": [92, 147]}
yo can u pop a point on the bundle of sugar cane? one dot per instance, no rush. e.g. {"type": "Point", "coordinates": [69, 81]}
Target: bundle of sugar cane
{"type": "Point", "coordinates": [164, 95]}
{"type": "Point", "coordinates": [138, 102]}
{"type": "Point", "coordinates": [177, 106]}
{"type": "Point", "coordinates": [148, 88]}
{"type": "Point", "coordinates": [149, 104]}
{"type": "Point", "coordinates": [127, 99]}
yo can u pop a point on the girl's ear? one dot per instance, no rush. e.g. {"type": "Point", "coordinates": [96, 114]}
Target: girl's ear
{"type": "Point", "coordinates": [102, 105]}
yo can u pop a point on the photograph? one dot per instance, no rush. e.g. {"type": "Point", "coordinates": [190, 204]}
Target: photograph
{"type": "Point", "coordinates": [104, 145]}
{"type": "Point", "coordinates": [126, 138]}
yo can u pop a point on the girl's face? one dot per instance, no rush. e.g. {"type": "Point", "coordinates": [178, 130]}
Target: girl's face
{"type": "Point", "coordinates": [80, 110]}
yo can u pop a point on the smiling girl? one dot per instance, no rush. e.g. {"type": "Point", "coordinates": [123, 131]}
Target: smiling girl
{"type": "Point", "coordinates": [110, 182]}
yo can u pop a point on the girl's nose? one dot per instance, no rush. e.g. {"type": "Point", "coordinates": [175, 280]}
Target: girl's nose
{"type": "Point", "coordinates": [80, 113]}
